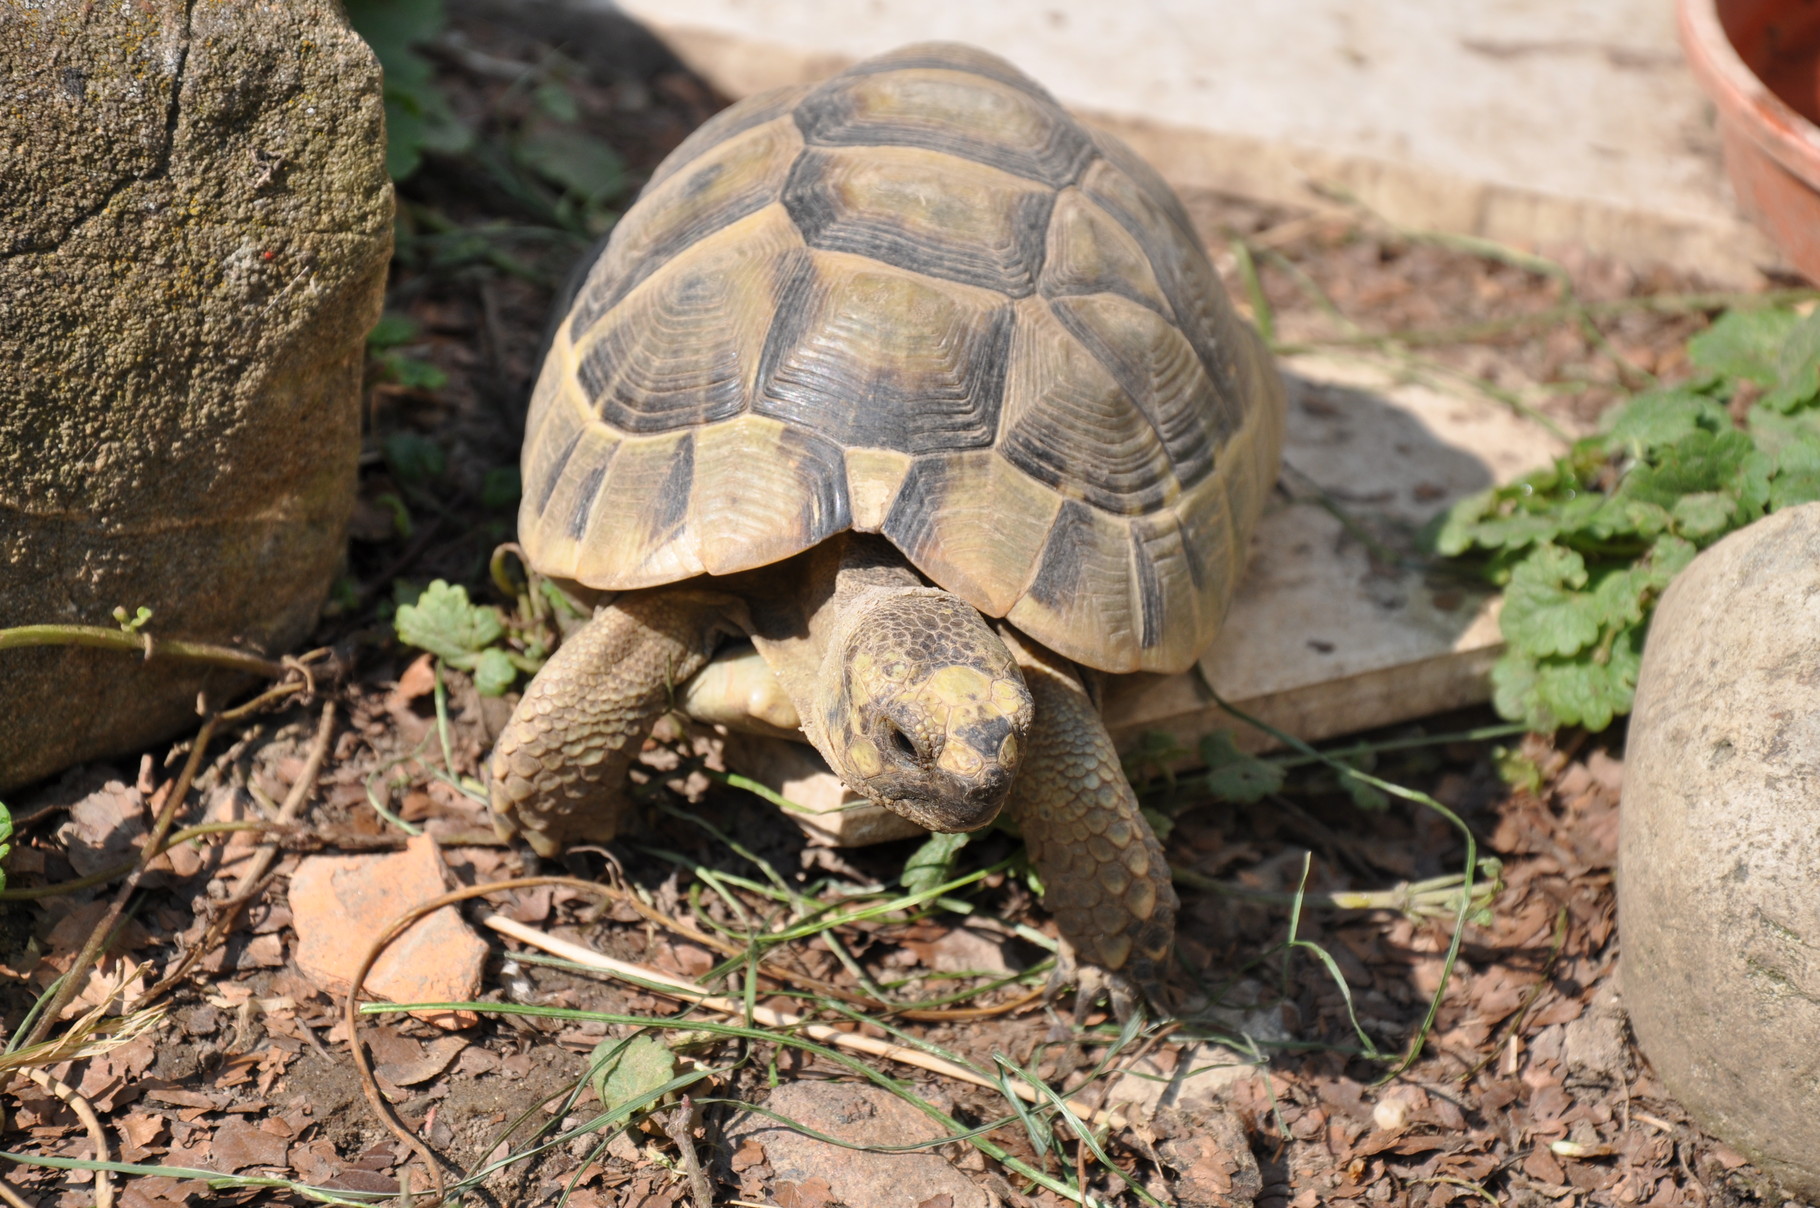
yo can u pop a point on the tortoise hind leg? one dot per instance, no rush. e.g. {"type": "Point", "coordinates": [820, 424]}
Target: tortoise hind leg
{"type": "Point", "coordinates": [1104, 875]}
{"type": "Point", "coordinates": [558, 771]}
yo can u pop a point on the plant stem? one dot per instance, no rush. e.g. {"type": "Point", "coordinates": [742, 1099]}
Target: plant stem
{"type": "Point", "coordinates": [103, 638]}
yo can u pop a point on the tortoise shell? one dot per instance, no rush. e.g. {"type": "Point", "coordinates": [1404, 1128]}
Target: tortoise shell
{"type": "Point", "coordinates": [919, 300]}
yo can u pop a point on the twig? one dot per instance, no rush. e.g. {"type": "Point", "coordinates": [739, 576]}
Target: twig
{"type": "Point", "coordinates": [768, 1016]}
{"type": "Point", "coordinates": [104, 1182]}
{"type": "Point", "coordinates": [12, 1197]}
{"type": "Point", "coordinates": [253, 882]}
{"type": "Point", "coordinates": [141, 643]}
{"type": "Point", "coordinates": [680, 1125]}
{"type": "Point", "coordinates": [77, 977]}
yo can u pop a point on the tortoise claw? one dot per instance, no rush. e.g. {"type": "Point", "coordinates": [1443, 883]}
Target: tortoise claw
{"type": "Point", "coordinates": [1126, 994]}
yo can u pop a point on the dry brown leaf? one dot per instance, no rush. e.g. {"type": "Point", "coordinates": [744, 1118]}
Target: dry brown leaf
{"type": "Point", "coordinates": [810, 1193]}
{"type": "Point", "coordinates": [239, 1144]}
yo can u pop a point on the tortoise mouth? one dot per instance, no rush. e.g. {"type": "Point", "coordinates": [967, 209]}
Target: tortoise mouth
{"type": "Point", "coordinates": [937, 806]}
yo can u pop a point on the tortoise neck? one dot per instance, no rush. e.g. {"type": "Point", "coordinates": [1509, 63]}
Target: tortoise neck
{"type": "Point", "coordinates": [867, 561]}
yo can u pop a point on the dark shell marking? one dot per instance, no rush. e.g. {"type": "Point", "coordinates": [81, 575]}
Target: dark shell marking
{"type": "Point", "coordinates": [917, 299]}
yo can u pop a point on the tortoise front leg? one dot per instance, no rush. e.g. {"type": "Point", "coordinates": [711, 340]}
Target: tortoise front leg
{"type": "Point", "coordinates": [1104, 875]}
{"type": "Point", "coordinates": [558, 772]}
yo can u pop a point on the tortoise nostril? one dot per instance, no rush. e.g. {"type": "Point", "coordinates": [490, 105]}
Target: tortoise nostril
{"type": "Point", "coordinates": [901, 742]}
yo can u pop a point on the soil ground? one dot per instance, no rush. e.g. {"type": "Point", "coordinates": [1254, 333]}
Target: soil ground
{"type": "Point", "coordinates": [1526, 1091]}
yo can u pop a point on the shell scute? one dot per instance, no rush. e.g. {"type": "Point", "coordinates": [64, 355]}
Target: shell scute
{"type": "Point", "coordinates": [724, 184]}
{"type": "Point", "coordinates": [1088, 252]}
{"type": "Point", "coordinates": [684, 347]}
{"type": "Point", "coordinates": [868, 355]}
{"type": "Point", "coordinates": [763, 491]}
{"type": "Point", "coordinates": [974, 521]}
{"type": "Point", "coordinates": [954, 112]}
{"type": "Point", "coordinates": [1064, 408]}
{"type": "Point", "coordinates": [1159, 370]}
{"type": "Point", "coordinates": [922, 210]}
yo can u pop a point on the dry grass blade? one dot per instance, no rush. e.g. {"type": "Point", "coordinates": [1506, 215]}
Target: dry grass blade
{"type": "Point", "coordinates": [90, 1036]}
{"type": "Point", "coordinates": [689, 992]}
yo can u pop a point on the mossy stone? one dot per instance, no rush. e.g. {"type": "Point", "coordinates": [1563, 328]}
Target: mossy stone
{"type": "Point", "coordinates": [197, 224]}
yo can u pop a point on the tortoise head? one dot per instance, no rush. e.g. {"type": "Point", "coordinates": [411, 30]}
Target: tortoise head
{"type": "Point", "coordinates": [924, 710]}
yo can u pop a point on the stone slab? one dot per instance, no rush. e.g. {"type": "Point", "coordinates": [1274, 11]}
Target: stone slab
{"type": "Point", "coordinates": [1536, 124]}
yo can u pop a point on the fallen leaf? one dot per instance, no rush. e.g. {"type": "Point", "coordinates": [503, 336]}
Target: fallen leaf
{"type": "Point", "coordinates": [157, 1191]}
{"type": "Point", "coordinates": [239, 1143]}
{"type": "Point", "coordinates": [105, 828]}
{"type": "Point", "coordinates": [811, 1193]}
{"type": "Point", "coordinates": [425, 1063]}
{"type": "Point", "coordinates": [141, 1128]}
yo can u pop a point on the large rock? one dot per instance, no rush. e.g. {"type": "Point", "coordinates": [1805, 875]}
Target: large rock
{"type": "Point", "coordinates": [1719, 844]}
{"type": "Point", "coordinates": [194, 229]}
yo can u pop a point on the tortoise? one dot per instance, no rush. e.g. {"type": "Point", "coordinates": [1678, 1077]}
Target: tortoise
{"type": "Point", "coordinates": [932, 395]}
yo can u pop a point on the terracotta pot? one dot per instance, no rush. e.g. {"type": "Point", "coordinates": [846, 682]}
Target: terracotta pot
{"type": "Point", "coordinates": [1760, 62]}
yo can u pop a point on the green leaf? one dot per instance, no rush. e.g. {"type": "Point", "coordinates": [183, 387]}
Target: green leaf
{"type": "Point", "coordinates": [555, 99]}
{"type": "Point", "coordinates": [1701, 462]}
{"type": "Point", "coordinates": [391, 331]}
{"type": "Point", "coordinates": [1703, 514]}
{"type": "Point", "coordinates": [1494, 520]}
{"type": "Point", "coordinates": [1797, 368]}
{"type": "Point", "coordinates": [134, 623]}
{"type": "Point", "coordinates": [6, 838]}
{"type": "Point", "coordinates": [1617, 598]}
{"type": "Point", "coordinates": [932, 863]}
{"type": "Point", "coordinates": [1592, 692]}
{"type": "Point", "coordinates": [413, 459]}
{"type": "Point", "coordinates": [1544, 610]}
{"type": "Point", "coordinates": [1366, 796]}
{"type": "Point", "coordinates": [1620, 516]}
{"type": "Point", "coordinates": [1744, 344]}
{"type": "Point", "coordinates": [1662, 417]}
{"type": "Point", "coordinates": [412, 373]}
{"type": "Point", "coordinates": [574, 160]}
{"type": "Point", "coordinates": [1667, 558]}
{"type": "Point", "coordinates": [445, 623]}
{"type": "Point", "coordinates": [1797, 457]}
{"type": "Point", "coordinates": [417, 112]}
{"type": "Point", "coordinates": [500, 487]}
{"type": "Point", "coordinates": [625, 1071]}
{"type": "Point", "coordinates": [1515, 693]}
{"type": "Point", "coordinates": [493, 672]}
{"type": "Point", "coordinates": [1517, 770]}
{"type": "Point", "coordinates": [1792, 490]}
{"type": "Point", "coordinates": [1234, 776]}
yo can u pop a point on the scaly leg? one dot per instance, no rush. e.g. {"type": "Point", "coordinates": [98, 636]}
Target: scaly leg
{"type": "Point", "coordinates": [558, 772]}
{"type": "Point", "coordinates": [1103, 871]}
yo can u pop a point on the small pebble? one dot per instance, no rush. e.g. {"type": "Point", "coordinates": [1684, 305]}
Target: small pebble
{"type": "Point", "coordinates": [1390, 1114]}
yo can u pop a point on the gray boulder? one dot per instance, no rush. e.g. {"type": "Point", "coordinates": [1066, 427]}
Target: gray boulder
{"type": "Point", "coordinates": [195, 224]}
{"type": "Point", "coordinates": [1719, 845]}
